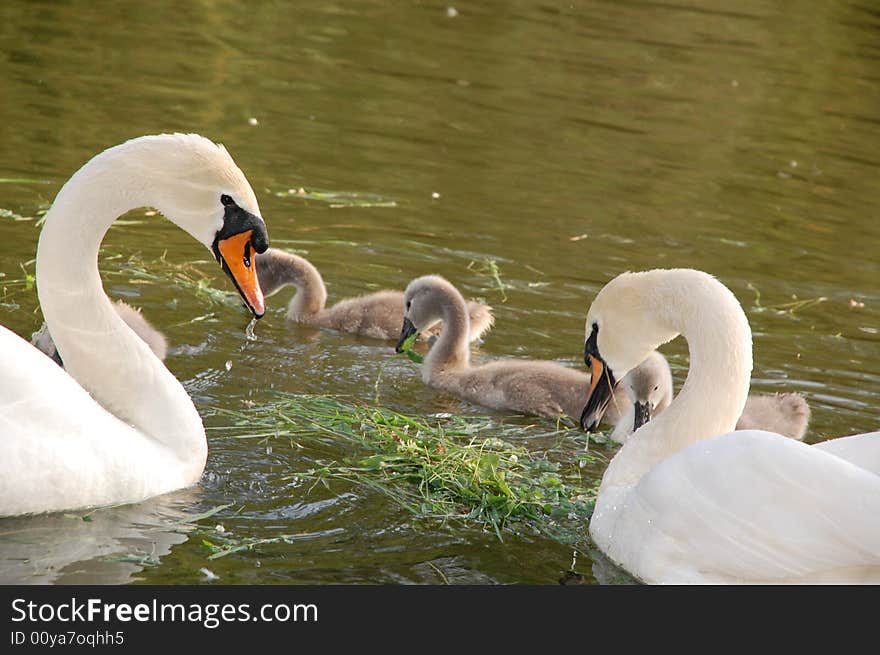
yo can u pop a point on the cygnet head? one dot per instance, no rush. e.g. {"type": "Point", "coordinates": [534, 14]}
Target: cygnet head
{"type": "Point", "coordinates": [424, 300]}
{"type": "Point", "coordinates": [649, 387]}
{"type": "Point", "coordinates": [196, 184]}
{"type": "Point", "coordinates": [625, 323]}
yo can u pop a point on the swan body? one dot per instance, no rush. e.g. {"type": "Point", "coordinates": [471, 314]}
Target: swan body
{"type": "Point", "coordinates": [540, 388]}
{"type": "Point", "coordinates": [42, 340]}
{"type": "Point", "coordinates": [687, 499]}
{"type": "Point", "coordinates": [377, 315]}
{"type": "Point", "coordinates": [114, 425]}
{"type": "Point", "coordinates": [647, 390]}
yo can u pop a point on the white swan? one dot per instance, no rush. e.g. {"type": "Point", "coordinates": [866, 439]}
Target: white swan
{"type": "Point", "coordinates": [115, 426]}
{"type": "Point", "coordinates": [686, 500]}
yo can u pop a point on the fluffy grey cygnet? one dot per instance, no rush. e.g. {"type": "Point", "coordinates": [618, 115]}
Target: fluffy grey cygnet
{"type": "Point", "coordinates": [376, 315]}
{"type": "Point", "coordinates": [541, 388]}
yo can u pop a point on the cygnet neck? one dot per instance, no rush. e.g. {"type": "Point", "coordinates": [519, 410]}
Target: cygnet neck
{"type": "Point", "coordinates": [451, 351]}
{"type": "Point", "coordinates": [311, 293]}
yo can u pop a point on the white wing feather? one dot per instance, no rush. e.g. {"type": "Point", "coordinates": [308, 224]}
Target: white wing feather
{"type": "Point", "coordinates": [753, 506]}
{"type": "Point", "coordinates": [58, 447]}
{"type": "Point", "coordinates": [861, 449]}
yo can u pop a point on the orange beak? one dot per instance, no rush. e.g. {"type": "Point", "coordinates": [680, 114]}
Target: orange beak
{"type": "Point", "coordinates": [597, 368]}
{"type": "Point", "coordinates": [239, 261]}
{"type": "Point", "coordinates": [601, 390]}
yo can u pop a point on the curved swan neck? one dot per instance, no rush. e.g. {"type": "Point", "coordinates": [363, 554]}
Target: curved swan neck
{"type": "Point", "coordinates": [719, 341]}
{"type": "Point", "coordinates": [278, 269]}
{"type": "Point", "coordinates": [451, 350]}
{"type": "Point", "coordinates": [99, 350]}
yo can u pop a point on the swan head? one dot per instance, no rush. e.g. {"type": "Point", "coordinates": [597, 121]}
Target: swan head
{"type": "Point", "coordinates": [195, 183]}
{"type": "Point", "coordinates": [423, 303]}
{"type": "Point", "coordinates": [624, 325]}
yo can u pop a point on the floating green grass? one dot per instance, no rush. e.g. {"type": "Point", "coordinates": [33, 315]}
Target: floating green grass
{"type": "Point", "coordinates": [337, 199]}
{"type": "Point", "coordinates": [191, 276]}
{"type": "Point", "coordinates": [440, 467]}
{"type": "Point", "coordinates": [795, 305]}
{"type": "Point", "coordinates": [140, 558]}
{"type": "Point", "coordinates": [22, 180]}
{"type": "Point", "coordinates": [13, 289]}
{"type": "Point", "coordinates": [194, 277]}
{"type": "Point", "coordinates": [490, 268]}
{"type": "Point", "coordinates": [8, 213]}
{"type": "Point", "coordinates": [232, 545]}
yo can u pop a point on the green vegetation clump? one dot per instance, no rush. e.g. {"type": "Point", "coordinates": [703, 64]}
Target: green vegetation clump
{"type": "Point", "coordinates": [439, 467]}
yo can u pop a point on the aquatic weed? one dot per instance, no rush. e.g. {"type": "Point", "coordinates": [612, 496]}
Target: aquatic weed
{"type": "Point", "coordinates": [440, 467]}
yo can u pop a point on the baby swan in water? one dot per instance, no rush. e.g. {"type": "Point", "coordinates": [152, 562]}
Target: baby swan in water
{"type": "Point", "coordinates": [533, 387]}
{"type": "Point", "coordinates": [132, 317]}
{"type": "Point", "coordinates": [378, 315]}
{"type": "Point", "coordinates": [647, 390]}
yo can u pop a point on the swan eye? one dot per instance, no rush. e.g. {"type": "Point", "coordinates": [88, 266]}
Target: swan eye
{"type": "Point", "coordinates": [226, 200]}
{"type": "Point", "coordinates": [408, 304]}
{"type": "Point", "coordinates": [657, 387]}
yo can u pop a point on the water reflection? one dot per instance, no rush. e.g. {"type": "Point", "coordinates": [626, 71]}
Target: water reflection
{"type": "Point", "coordinates": [105, 546]}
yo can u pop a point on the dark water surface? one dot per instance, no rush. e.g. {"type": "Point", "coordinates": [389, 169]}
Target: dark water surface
{"type": "Point", "coordinates": [566, 143]}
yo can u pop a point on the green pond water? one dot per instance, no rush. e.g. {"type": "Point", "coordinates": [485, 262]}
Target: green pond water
{"type": "Point", "coordinates": [566, 142]}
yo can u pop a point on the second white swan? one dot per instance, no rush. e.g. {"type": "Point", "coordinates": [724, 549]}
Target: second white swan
{"type": "Point", "coordinates": [686, 500]}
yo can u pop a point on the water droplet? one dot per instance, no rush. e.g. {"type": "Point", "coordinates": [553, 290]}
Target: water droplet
{"type": "Point", "coordinates": [249, 331]}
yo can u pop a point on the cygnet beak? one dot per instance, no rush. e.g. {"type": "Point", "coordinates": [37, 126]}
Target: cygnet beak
{"type": "Point", "coordinates": [406, 332]}
{"type": "Point", "coordinates": [642, 414]}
